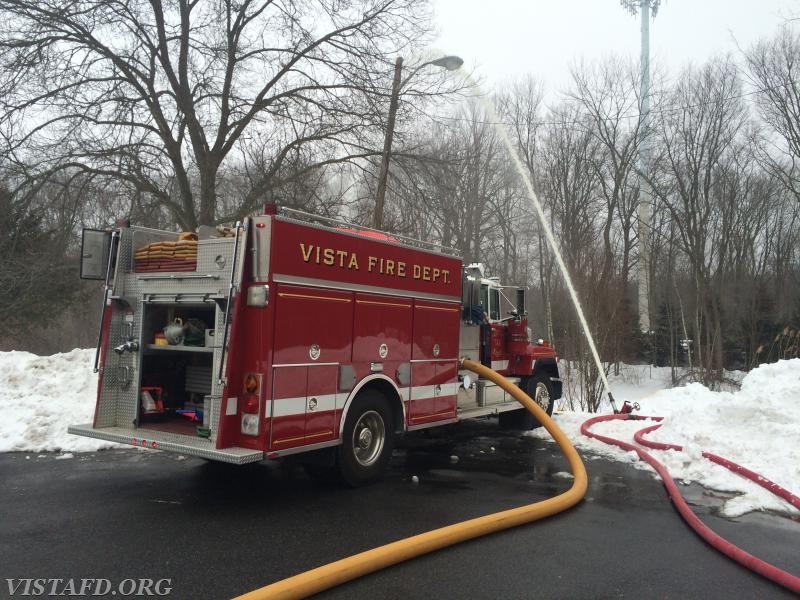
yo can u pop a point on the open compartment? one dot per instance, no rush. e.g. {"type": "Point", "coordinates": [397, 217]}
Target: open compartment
{"type": "Point", "coordinates": [177, 367]}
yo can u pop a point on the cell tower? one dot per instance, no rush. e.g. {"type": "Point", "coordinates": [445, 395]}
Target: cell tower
{"type": "Point", "coordinates": [645, 193]}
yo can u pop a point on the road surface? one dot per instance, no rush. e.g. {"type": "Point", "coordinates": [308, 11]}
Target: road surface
{"type": "Point", "coordinates": [216, 531]}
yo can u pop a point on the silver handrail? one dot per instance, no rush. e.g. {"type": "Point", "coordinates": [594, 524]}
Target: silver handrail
{"type": "Point", "coordinates": [232, 286]}
{"type": "Point", "coordinates": [106, 291]}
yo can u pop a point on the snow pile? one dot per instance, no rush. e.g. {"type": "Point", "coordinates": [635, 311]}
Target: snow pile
{"type": "Point", "coordinates": [757, 427]}
{"type": "Point", "coordinates": [41, 396]}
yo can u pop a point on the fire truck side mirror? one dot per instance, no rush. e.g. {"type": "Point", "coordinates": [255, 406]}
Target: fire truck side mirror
{"type": "Point", "coordinates": [95, 249]}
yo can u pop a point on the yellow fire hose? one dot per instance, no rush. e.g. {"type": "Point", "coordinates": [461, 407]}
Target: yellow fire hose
{"type": "Point", "coordinates": [335, 573]}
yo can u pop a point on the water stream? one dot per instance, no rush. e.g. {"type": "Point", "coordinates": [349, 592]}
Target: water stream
{"type": "Point", "coordinates": [551, 240]}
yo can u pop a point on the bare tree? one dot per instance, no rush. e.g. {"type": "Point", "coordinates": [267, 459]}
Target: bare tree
{"type": "Point", "coordinates": [606, 92]}
{"type": "Point", "coordinates": [772, 67]}
{"type": "Point", "coordinates": [699, 134]}
{"type": "Point", "coordinates": [160, 95]}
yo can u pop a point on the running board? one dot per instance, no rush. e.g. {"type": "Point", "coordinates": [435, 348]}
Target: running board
{"type": "Point", "coordinates": [492, 409]}
{"type": "Point", "coordinates": [169, 442]}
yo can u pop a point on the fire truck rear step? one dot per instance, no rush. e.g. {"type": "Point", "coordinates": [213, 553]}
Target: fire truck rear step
{"type": "Point", "coordinates": [170, 442]}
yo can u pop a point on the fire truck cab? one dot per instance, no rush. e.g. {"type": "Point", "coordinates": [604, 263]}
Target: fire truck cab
{"type": "Point", "coordinates": [292, 334]}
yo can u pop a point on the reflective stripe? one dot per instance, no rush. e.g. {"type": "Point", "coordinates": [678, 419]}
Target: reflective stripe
{"type": "Point", "coordinates": [287, 407]}
{"type": "Point", "coordinates": [499, 365]}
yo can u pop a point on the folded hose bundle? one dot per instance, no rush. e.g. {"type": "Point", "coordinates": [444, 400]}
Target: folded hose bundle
{"type": "Point", "coordinates": [180, 255]}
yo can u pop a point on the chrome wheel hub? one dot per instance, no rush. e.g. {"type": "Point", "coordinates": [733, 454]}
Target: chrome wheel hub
{"type": "Point", "coordinates": [369, 437]}
{"type": "Point", "coordinates": [542, 396]}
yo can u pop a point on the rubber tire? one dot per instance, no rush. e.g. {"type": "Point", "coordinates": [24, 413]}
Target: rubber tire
{"type": "Point", "coordinates": [351, 470]}
{"type": "Point", "coordinates": [522, 418]}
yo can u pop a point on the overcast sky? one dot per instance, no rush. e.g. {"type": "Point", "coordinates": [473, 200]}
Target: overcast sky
{"type": "Point", "coordinates": [505, 39]}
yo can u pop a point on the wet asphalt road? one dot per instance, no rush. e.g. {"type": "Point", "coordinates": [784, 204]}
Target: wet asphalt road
{"type": "Point", "coordinates": [217, 531]}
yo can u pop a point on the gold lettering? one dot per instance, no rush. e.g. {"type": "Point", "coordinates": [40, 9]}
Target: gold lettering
{"type": "Point", "coordinates": [353, 262]}
{"type": "Point", "coordinates": [401, 269]}
{"type": "Point", "coordinates": [417, 272]}
{"type": "Point", "coordinates": [342, 254]}
{"type": "Point", "coordinates": [389, 266]}
{"type": "Point", "coordinates": [371, 262]}
{"type": "Point", "coordinates": [436, 273]}
{"type": "Point", "coordinates": [306, 254]}
{"type": "Point", "coordinates": [328, 254]}
{"type": "Point", "coordinates": [426, 273]}
{"type": "Point", "coordinates": [446, 276]}
{"type": "Point", "coordinates": [318, 254]}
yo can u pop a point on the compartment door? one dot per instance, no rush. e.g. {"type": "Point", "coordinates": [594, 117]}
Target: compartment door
{"type": "Point", "coordinates": [289, 385]}
{"type": "Point", "coordinates": [434, 385]}
{"type": "Point", "coordinates": [304, 405]}
{"type": "Point", "coordinates": [322, 410]}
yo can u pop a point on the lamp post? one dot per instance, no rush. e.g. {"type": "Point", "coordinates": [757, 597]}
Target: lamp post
{"type": "Point", "coordinates": [451, 63]}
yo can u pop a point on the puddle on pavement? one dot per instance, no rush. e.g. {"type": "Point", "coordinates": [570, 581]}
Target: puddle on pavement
{"type": "Point", "coordinates": [462, 455]}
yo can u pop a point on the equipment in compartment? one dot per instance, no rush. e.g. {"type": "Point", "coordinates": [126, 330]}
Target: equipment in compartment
{"type": "Point", "coordinates": [152, 403]}
{"type": "Point", "coordinates": [179, 363]}
{"type": "Point", "coordinates": [183, 380]}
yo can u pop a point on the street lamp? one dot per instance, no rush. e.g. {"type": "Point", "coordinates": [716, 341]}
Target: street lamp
{"type": "Point", "coordinates": [451, 63]}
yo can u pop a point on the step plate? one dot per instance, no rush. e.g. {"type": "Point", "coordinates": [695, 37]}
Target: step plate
{"type": "Point", "coordinates": [169, 442]}
{"type": "Point", "coordinates": [492, 409]}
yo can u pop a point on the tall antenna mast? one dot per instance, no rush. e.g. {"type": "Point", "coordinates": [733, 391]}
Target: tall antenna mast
{"type": "Point", "coordinates": [645, 191]}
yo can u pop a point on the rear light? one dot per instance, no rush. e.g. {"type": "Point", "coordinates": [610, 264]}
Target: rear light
{"type": "Point", "coordinates": [250, 405]}
{"type": "Point", "coordinates": [250, 424]}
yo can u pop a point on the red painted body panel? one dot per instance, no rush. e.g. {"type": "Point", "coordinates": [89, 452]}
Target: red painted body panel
{"type": "Point", "coordinates": [381, 320]}
{"type": "Point", "coordinates": [435, 324]}
{"type": "Point", "coordinates": [322, 417]}
{"type": "Point", "coordinates": [246, 344]}
{"type": "Point", "coordinates": [307, 316]}
{"type": "Point", "coordinates": [433, 396]}
{"type": "Point", "coordinates": [304, 251]}
{"type": "Point", "coordinates": [289, 387]}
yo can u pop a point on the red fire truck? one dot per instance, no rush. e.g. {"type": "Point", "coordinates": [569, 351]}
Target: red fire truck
{"type": "Point", "coordinates": [295, 334]}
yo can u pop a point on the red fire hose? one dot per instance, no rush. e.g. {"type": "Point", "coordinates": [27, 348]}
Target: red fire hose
{"type": "Point", "coordinates": [771, 486]}
{"type": "Point", "coordinates": [749, 561]}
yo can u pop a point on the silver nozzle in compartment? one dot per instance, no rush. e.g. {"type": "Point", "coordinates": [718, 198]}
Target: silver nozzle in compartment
{"type": "Point", "coordinates": [129, 346]}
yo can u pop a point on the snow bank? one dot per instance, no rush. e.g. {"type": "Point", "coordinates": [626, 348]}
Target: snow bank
{"type": "Point", "coordinates": [757, 427]}
{"type": "Point", "coordinates": [41, 396]}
